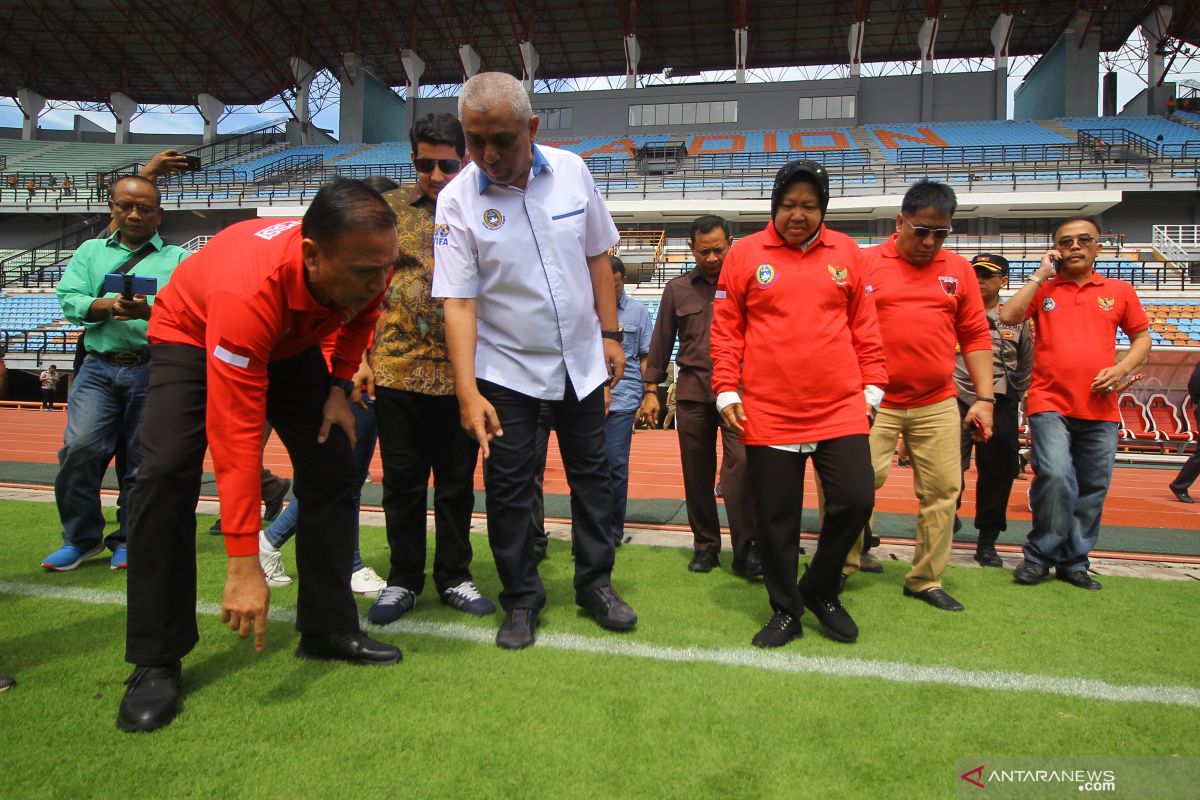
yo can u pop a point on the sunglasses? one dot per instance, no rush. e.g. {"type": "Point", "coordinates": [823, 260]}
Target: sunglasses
{"type": "Point", "coordinates": [1067, 242]}
{"type": "Point", "coordinates": [447, 165]}
{"type": "Point", "coordinates": [922, 232]}
{"type": "Point", "coordinates": [125, 207]}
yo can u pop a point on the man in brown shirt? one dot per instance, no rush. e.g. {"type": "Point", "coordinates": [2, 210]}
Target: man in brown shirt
{"type": "Point", "coordinates": [415, 406]}
{"type": "Point", "coordinates": [686, 311]}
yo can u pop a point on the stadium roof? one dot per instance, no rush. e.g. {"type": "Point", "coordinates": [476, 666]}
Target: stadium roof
{"type": "Point", "coordinates": [168, 51]}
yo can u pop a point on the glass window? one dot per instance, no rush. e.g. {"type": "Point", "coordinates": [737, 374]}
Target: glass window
{"type": "Point", "coordinates": [565, 118]}
{"type": "Point", "coordinates": [676, 114]}
{"type": "Point", "coordinates": [731, 110]}
{"type": "Point", "coordinates": [847, 106]}
{"type": "Point", "coordinates": [662, 113]}
{"type": "Point", "coordinates": [819, 105]}
{"type": "Point", "coordinates": [806, 108]}
{"type": "Point", "coordinates": [689, 113]}
{"type": "Point", "coordinates": [702, 113]}
{"type": "Point", "coordinates": [716, 112]}
{"type": "Point", "coordinates": [635, 116]}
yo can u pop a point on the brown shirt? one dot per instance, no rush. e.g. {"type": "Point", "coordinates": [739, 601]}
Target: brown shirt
{"type": "Point", "coordinates": [685, 311]}
{"type": "Point", "coordinates": [410, 339]}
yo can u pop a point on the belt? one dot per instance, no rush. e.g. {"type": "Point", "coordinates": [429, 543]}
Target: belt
{"type": "Point", "coordinates": [126, 358]}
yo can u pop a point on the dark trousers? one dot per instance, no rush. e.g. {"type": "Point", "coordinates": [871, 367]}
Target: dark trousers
{"type": "Point", "coordinates": [509, 474]}
{"type": "Point", "coordinates": [161, 614]}
{"type": "Point", "coordinates": [541, 448]}
{"type": "Point", "coordinates": [420, 433]}
{"type": "Point", "coordinates": [47, 398]}
{"type": "Point", "coordinates": [997, 462]}
{"type": "Point", "coordinates": [1191, 468]}
{"type": "Point", "coordinates": [777, 483]}
{"type": "Point", "coordinates": [698, 425]}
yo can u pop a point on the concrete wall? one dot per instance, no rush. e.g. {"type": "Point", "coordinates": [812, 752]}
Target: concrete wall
{"type": "Point", "coordinates": [383, 112]}
{"type": "Point", "coordinates": [1040, 95]}
{"type": "Point", "coordinates": [1138, 212]}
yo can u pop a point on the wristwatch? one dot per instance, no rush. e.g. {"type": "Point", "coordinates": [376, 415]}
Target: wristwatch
{"type": "Point", "coordinates": [345, 384]}
{"type": "Point", "coordinates": [616, 336]}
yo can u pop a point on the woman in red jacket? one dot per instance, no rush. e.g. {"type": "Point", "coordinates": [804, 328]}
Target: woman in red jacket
{"type": "Point", "coordinates": [797, 366]}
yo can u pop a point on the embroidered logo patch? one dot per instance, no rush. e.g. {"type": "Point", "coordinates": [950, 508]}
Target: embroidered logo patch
{"type": "Point", "coordinates": [765, 275]}
{"type": "Point", "coordinates": [441, 234]}
{"type": "Point", "coordinates": [1048, 304]}
{"type": "Point", "coordinates": [1105, 303]}
{"type": "Point", "coordinates": [839, 274]}
{"type": "Point", "coordinates": [949, 284]}
{"type": "Point", "coordinates": [870, 287]}
{"type": "Point", "coordinates": [492, 219]}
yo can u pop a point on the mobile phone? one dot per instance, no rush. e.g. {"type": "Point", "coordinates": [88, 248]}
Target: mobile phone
{"type": "Point", "coordinates": [129, 285]}
{"type": "Point", "coordinates": [193, 163]}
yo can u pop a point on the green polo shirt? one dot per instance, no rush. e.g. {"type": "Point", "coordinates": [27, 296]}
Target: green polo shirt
{"type": "Point", "coordinates": [84, 276]}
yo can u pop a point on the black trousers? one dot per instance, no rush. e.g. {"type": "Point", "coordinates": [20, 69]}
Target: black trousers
{"type": "Point", "coordinates": [777, 484]}
{"type": "Point", "coordinates": [161, 614]}
{"type": "Point", "coordinates": [541, 445]}
{"type": "Point", "coordinates": [420, 433]}
{"type": "Point", "coordinates": [997, 462]}
{"type": "Point", "coordinates": [509, 479]}
{"type": "Point", "coordinates": [1191, 468]}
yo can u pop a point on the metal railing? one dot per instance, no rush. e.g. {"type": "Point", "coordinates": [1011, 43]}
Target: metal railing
{"type": "Point", "coordinates": [1100, 142]}
{"type": "Point", "coordinates": [983, 154]}
{"type": "Point", "coordinates": [1177, 244]}
{"type": "Point", "coordinates": [30, 267]}
{"type": "Point", "coordinates": [54, 341]}
{"type": "Point", "coordinates": [286, 168]}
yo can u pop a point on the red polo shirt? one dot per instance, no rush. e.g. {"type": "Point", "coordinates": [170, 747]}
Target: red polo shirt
{"type": "Point", "coordinates": [245, 300]}
{"type": "Point", "coordinates": [795, 333]}
{"type": "Point", "coordinates": [923, 313]}
{"type": "Point", "coordinates": [1075, 336]}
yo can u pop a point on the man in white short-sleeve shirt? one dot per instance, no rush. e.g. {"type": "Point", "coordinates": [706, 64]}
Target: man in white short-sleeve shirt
{"type": "Point", "coordinates": [521, 246]}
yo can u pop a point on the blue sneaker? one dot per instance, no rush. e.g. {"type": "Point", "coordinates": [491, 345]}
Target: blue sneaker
{"type": "Point", "coordinates": [393, 603]}
{"type": "Point", "coordinates": [68, 557]}
{"type": "Point", "coordinates": [465, 597]}
{"type": "Point", "coordinates": [119, 559]}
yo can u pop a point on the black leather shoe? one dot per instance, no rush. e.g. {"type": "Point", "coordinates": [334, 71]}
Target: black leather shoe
{"type": "Point", "coordinates": [274, 504]}
{"type": "Point", "coordinates": [1030, 573]}
{"type": "Point", "coordinates": [834, 618]}
{"type": "Point", "coordinates": [1080, 578]}
{"type": "Point", "coordinates": [704, 561]}
{"type": "Point", "coordinates": [151, 699]}
{"type": "Point", "coordinates": [1182, 495]}
{"type": "Point", "coordinates": [353, 648]}
{"type": "Point", "coordinates": [985, 551]}
{"type": "Point", "coordinates": [518, 629]}
{"type": "Point", "coordinates": [780, 630]}
{"type": "Point", "coordinates": [750, 564]}
{"type": "Point", "coordinates": [868, 563]}
{"type": "Point", "coordinates": [936, 597]}
{"type": "Point", "coordinates": [607, 608]}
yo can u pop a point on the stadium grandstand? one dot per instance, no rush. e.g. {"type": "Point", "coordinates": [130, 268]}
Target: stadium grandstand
{"type": "Point", "coordinates": [678, 111]}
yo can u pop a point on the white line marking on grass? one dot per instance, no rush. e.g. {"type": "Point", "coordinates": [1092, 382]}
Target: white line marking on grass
{"type": "Point", "coordinates": [615, 645]}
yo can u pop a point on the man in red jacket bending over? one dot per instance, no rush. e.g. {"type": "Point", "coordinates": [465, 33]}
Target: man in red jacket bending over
{"type": "Point", "coordinates": [235, 343]}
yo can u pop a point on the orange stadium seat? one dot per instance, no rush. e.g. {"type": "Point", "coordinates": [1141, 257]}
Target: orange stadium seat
{"type": "Point", "coordinates": [1135, 419]}
{"type": "Point", "coordinates": [1168, 421]}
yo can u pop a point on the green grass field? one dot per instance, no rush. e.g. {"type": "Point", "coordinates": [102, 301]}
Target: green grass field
{"type": "Point", "coordinates": [586, 713]}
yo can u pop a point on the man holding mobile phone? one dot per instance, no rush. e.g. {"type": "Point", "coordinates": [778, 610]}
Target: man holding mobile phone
{"type": "Point", "coordinates": [107, 397]}
{"type": "Point", "coordinates": [1072, 404]}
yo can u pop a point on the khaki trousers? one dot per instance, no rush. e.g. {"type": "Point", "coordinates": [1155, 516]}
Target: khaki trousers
{"type": "Point", "coordinates": [932, 434]}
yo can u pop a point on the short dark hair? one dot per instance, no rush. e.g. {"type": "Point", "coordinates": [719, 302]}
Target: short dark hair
{"type": "Point", "coordinates": [139, 179]}
{"type": "Point", "coordinates": [707, 224]}
{"type": "Point", "coordinates": [439, 129]}
{"type": "Point", "coordinates": [344, 205]}
{"type": "Point", "coordinates": [1089, 220]}
{"type": "Point", "coordinates": [929, 194]}
{"type": "Point", "coordinates": [381, 183]}
{"type": "Point", "coordinates": [617, 264]}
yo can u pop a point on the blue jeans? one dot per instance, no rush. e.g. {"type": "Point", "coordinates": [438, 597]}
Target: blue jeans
{"type": "Point", "coordinates": [104, 407]}
{"type": "Point", "coordinates": [618, 434]}
{"type": "Point", "coordinates": [1073, 464]}
{"type": "Point", "coordinates": [365, 434]}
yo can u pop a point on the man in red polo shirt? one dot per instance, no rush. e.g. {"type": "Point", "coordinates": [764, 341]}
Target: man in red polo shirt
{"type": "Point", "coordinates": [928, 301]}
{"type": "Point", "coordinates": [235, 343]}
{"type": "Point", "coordinates": [1072, 403]}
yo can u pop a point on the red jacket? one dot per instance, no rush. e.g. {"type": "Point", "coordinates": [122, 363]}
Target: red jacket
{"type": "Point", "coordinates": [794, 331]}
{"type": "Point", "coordinates": [244, 298]}
{"type": "Point", "coordinates": [923, 313]}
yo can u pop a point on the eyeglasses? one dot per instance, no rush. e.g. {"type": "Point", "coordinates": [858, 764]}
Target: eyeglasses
{"type": "Point", "coordinates": [125, 207]}
{"type": "Point", "coordinates": [922, 231]}
{"type": "Point", "coordinates": [446, 165]}
{"type": "Point", "coordinates": [1067, 242]}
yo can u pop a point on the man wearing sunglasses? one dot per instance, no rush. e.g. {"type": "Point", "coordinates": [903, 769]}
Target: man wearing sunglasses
{"type": "Point", "coordinates": [108, 396]}
{"type": "Point", "coordinates": [929, 305]}
{"type": "Point", "coordinates": [1072, 404]}
{"type": "Point", "coordinates": [416, 409]}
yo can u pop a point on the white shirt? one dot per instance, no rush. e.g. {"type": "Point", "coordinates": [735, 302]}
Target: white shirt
{"type": "Point", "coordinates": [522, 256]}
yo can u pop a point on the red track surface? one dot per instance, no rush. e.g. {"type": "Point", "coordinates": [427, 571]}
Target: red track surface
{"type": "Point", "coordinates": [1138, 497]}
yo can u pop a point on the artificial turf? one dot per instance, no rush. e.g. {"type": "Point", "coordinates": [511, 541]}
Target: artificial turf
{"type": "Point", "coordinates": [461, 718]}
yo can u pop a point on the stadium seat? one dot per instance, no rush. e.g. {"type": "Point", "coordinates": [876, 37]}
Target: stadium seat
{"type": "Point", "coordinates": [1136, 423]}
{"type": "Point", "coordinates": [1168, 422]}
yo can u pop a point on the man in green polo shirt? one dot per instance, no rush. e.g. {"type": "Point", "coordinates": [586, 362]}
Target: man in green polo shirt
{"type": "Point", "coordinates": [107, 397]}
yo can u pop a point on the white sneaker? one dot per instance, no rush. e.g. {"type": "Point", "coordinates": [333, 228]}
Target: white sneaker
{"type": "Point", "coordinates": [272, 567]}
{"type": "Point", "coordinates": [367, 582]}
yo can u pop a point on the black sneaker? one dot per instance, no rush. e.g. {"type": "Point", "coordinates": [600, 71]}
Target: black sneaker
{"type": "Point", "coordinates": [750, 564]}
{"type": "Point", "coordinates": [1029, 573]}
{"type": "Point", "coordinates": [608, 609]}
{"type": "Point", "coordinates": [780, 630]}
{"type": "Point", "coordinates": [7, 682]}
{"type": "Point", "coordinates": [834, 618]}
{"type": "Point", "coordinates": [1080, 578]}
{"type": "Point", "coordinates": [986, 555]}
{"type": "Point", "coordinates": [518, 629]}
{"type": "Point", "coordinates": [704, 561]}
{"type": "Point", "coordinates": [151, 700]}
